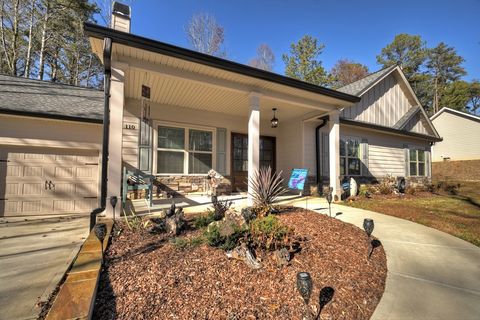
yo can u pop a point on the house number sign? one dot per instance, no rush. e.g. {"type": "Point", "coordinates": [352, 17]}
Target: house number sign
{"type": "Point", "coordinates": [130, 127]}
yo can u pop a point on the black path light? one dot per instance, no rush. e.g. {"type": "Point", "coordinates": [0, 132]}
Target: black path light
{"type": "Point", "coordinates": [274, 120]}
{"type": "Point", "coordinates": [368, 226]}
{"type": "Point", "coordinates": [100, 230]}
{"type": "Point", "coordinates": [304, 287]}
{"type": "Point", "coordinates": [329, 198]}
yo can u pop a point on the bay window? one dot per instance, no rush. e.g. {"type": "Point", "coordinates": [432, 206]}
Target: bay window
{"type": "Point", "coordinates": [417, 162]}
{"type": "Point", "coordinates": [349, 156]}
{"type": "Point", "coordinates": [184, 150]}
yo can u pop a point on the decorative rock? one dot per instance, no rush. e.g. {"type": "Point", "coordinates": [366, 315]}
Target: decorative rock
{"type": "Point", "coordinates": [282, 257]}
{"type": "Point", "coordinates": [243, 253]}
{"type": "Point", "coordinates": [232, 221]}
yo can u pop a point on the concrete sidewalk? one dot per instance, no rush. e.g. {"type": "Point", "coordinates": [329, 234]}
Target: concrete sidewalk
{"type": "Point", "coordinates": [431, 274]}
{"type": "Point", "coordinates": [34, 254]}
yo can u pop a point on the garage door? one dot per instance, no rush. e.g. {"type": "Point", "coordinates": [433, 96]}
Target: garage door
{"type": "Point", "coordinates": [37, 181]}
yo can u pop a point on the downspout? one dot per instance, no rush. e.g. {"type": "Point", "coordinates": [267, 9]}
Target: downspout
{"type": "Point", "coordinates": [317, 146]}
{"type": "Point", "coordinates": [107, 62]}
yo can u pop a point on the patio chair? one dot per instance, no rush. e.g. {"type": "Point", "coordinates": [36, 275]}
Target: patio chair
{"type": "Point", "coordinates": [134, 180]}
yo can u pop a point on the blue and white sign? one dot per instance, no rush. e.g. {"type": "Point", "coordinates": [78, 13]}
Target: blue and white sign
{"type": "Point", "coordinates": [297, 179]}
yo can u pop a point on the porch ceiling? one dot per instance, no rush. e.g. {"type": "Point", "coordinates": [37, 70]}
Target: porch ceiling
{"type": "Point", "coordinates": [178, 82]}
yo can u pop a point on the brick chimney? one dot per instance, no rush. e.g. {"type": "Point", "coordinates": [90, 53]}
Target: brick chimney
{"type": "Point", "coordinates": [120, 17]}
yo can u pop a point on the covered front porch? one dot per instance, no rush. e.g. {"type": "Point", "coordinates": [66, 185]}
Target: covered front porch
{"type": "Point", "coordinates": [178, 118]}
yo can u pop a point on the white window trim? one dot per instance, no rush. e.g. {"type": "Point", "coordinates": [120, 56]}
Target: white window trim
{"type": "Point", "coordinates": [425, 161]}
{"type": "Point", "coordinates": [360, 155]}
{"type": "Point", "coordinates": [185, 150]}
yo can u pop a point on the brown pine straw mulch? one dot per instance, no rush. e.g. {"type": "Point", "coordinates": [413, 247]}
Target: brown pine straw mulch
{"type": "Point", "coordinates": [147, 277]}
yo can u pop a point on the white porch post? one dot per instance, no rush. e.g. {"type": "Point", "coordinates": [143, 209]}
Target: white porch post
{"type": "Point", "coordinates": [117, 103]}
{"type": "Point", "coordinates": [253, 141]}
{"type": "Point", "coordinates": [334, 151]}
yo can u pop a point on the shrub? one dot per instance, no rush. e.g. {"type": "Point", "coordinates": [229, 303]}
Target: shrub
{"type": "Point", "coordinates": [215, 239]}
{"type": "Point", "coordinates": [266, 187]}
{"type": "Point", "coordinates": [269, 233]}
{"type": "Point", "coordinates": [183, 243]}
{"type": "Point", "coordinates": [411, 190]}
{"type": "Point", "coordinates": [204, 220]}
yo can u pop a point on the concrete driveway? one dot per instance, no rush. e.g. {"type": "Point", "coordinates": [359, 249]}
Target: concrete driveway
{"type": "Point", "coordinates": [431, 274]}
{"type": "Point", "coordinates": [34, 254]}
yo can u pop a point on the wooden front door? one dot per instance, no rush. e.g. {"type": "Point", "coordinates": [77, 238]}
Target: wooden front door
{"type": "Point", "coordinates": [239, 158]}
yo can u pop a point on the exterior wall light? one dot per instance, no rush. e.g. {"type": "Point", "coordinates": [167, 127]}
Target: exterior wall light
{"type": "Point", "coordinates": [274, 120]}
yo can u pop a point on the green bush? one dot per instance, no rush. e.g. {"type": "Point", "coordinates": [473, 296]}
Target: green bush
{"type": "Point", "coordinates": [269, 233]}
{"type": "Point", "coordinates": [215, 239]}
{"type": "Point", "coordinates": [204, 220]}
{"type": "Point", "coordinates": [182, 243]}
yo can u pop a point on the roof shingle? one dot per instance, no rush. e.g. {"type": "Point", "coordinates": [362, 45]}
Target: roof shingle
{"type": "Point", "coordinates": [45, 98]}
{"type": "Point", "coordinates": [358, 87]}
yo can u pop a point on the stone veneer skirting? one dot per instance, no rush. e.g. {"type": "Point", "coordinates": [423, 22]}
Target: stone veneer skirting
{"type": "Point", "coordinates": [178, 185]}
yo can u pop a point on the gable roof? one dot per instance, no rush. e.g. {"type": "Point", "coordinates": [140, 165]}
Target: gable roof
{"type": "Point", "coordinates": [455, 112]}
{"type": "Point", "coordinates": [361, 86]}
{"type": "Point", "coordinates": [28, 97]}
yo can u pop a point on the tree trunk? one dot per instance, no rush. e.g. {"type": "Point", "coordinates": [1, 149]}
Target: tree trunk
{"type": "Point", "coordinates": [89, 70]}
{"type": "Point", "coordinates": [30, 41]}
{"type": "Point", "coordinates": [13, 67]}
{"type": "Point", "coordinates": [41, 62]}
{"type": "Point", "coordinates": [4, 40]}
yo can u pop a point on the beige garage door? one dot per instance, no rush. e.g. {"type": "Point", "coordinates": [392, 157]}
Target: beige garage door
{"type": "Point", "coordinates": [37, 181]}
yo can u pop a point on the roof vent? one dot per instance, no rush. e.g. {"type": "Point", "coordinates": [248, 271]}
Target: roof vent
{"type": "Point", "coordinates": [121, 17]}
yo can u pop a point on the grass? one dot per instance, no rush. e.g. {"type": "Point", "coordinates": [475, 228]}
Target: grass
{"type": "Point", "coordinates": [458, 215]}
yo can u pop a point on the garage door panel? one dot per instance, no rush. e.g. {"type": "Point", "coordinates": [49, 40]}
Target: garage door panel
{"type": "Point", "coordinates": [33, 189]}
{"type": "Point", "coordinates": [86, 204]}
{"type": "Point", "coordinates": [87, 159]}
{"type": "Point", "coordinates": [34, 206]}
{"type": "Point", "coordinates": [87, 172]}
{"type": "Point", "coordinates": [62, 172]}
{"type": "Point", "coordinates": [32, 171]}
{"type": "Point", "coordinates": [14, 171]}
{"type": "Point", "coordinates": [63, 206]}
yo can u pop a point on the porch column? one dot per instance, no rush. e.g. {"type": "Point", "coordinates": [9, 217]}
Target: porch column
{"type": "Point", "coordinates": [334, 151]}
{"type": "Point", "coordinates": [117, 103]}
{"type": "Point", "coordinates": [253, 141]}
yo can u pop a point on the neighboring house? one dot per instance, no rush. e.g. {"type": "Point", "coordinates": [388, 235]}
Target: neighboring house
{"type": "Point", "coordinates": [461, 135]}
{"type": "Point", "coordinates": [50, 139]}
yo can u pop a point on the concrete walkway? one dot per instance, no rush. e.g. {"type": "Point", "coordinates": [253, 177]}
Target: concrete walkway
{"type": "Point", "coordinates": [431, 274]}
{"type": "Point", "coordinates": [34, 254]}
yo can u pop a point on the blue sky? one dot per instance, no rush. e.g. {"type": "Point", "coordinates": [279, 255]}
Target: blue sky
{"type": "Point", "coordinates": [356, 30]}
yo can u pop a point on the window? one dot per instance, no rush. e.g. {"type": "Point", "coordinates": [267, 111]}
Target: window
{"type": "Point", "coordinates": [184, 150]}
{"type": "Point", "coordinates": [417, 162]}
{"type": "Point", "coordinates": [350, 157]}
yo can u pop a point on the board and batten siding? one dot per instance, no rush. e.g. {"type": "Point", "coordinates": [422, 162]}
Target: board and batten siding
{"type": "Point", "coordinates": [461, 137]}
{"type": "Point", "coordinates": [384, 104]}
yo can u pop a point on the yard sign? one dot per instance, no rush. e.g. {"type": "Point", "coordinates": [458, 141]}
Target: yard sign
{"type": "Point", "coordinates": [297, 179]}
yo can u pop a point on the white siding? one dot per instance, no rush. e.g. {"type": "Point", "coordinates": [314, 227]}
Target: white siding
{"type": "Point", "coordinates": [461, 137]}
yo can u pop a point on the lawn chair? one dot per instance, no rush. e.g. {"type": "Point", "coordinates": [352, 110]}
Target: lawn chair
{"type": "Point", "coordinates": [137, 180]}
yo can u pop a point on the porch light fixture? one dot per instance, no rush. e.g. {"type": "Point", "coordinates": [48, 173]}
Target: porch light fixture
{"type": "Point", "coordinates": [304, 286]}
{"type": "Point", "coordinates": [274, 120]}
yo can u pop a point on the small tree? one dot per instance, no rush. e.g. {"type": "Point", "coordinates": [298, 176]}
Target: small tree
{"type": "Point", "coordinates": [302, 63]}
{"type": "Point", "coordinates": [347, 71]}
{"type": "Point", "coordinates": [265, 58]}
{"type": "Point", "coordinates": [206, 35]}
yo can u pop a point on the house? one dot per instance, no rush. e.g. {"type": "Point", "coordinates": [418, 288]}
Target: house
{"type": "Point", "coordinates": [50, 142]}
{"type": "Point", "coordinates": [460, 132]}
{"type": "Point", "coordinates": [457, 157]}
{"type": "Point", "coordinates": [176, 114]}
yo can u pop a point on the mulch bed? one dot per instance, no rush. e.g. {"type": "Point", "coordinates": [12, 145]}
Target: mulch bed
{"type": "Point", "coordinates": [147, 277]}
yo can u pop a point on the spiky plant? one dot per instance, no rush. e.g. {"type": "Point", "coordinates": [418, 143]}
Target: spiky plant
{"type": "Point", "coordinates": [266, 186]}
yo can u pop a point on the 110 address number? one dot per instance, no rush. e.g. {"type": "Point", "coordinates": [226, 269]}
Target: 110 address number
{"type": "Point", "coordinates": [130, 126]}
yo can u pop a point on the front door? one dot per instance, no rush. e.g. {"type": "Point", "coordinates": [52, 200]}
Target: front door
{"type": "Point", "coordinates": [240, 158]}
